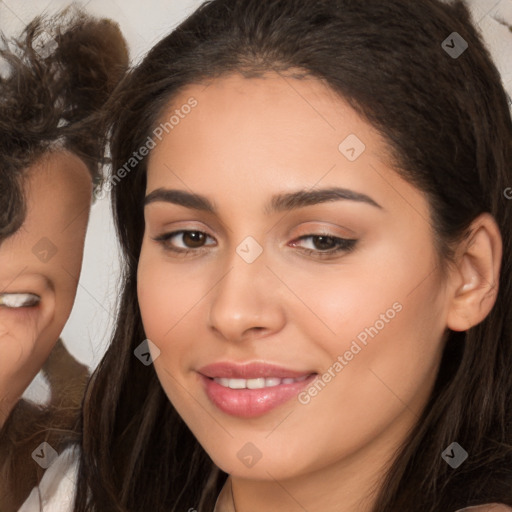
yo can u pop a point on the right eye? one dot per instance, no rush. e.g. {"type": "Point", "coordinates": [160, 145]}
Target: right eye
{"type": "Point", "coordinates": [191, 241]}
{"type": "Point", "coordinates": [19, 300]}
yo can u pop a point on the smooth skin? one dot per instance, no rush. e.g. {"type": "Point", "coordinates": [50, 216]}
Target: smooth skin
{"type": "Point", "coordinates": [44, 258]}
{"type": "Point", "coordinates": [248, 140]}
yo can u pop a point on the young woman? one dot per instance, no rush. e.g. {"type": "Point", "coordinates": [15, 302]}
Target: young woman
{"type": "Point", "coordinates": [311, 201]}
{"type": "Point", "coordinates": [56, 77]}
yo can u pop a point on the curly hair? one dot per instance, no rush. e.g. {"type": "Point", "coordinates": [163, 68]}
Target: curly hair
{"type": "Point", "coordinates": [58, 76]}
{"type": "Point", "coordinates": [59, 73]}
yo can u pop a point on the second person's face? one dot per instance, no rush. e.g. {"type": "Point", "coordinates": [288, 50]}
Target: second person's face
{"type": "Point", "coordinates": [39, 269]}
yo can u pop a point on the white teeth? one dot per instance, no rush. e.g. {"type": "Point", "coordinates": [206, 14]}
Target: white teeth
{"type": "Point", "coordinates": [18, 300]}
{"type": "Point", "coordinates": [237, 383]}
{"type": "Point", "coordinates": [258, 383]}
{"type": "Point", "coordinates": [272, 381]}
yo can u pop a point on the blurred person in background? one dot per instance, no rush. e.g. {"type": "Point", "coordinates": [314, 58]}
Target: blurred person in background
{"type": "Point", "coordinates": [56, 77]}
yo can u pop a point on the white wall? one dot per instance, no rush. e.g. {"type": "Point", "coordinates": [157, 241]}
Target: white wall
{"type": "Point", "coordinates": [144, 23]}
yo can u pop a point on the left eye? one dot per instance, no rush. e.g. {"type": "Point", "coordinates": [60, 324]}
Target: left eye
{"type": "Point", "coordinates": [327, 244]}
{"type": "Point", "coordinates": [19, 300]}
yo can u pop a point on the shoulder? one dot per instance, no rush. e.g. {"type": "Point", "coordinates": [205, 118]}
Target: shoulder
{"type": "Point", "coordinates": [56, 491]}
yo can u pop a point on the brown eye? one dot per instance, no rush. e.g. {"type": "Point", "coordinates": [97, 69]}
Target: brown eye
{"type": "Point", "coordinates": [193, 239]}
{"type": "Point", "coordinates": [183, 241]}
{"type": "Point", "coordinates": [325, 245]}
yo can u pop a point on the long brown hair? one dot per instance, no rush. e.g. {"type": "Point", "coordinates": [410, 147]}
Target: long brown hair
{"type": "Point", "coordinates": [448, 124]}
{"type": "Point", "coordinates": [56, 77]}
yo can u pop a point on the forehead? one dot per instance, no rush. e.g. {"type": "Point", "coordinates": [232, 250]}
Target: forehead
{"type": "Point", "coordinates": [57, 191]}
{"type": "Point", "coordinates": [244, 121]}
{"type": "Point", "coordinates": [56, 167]}
{"type": "Point", "coordinates": [54, 188]}
{"type": "Point", "coordinates": [232, 97]}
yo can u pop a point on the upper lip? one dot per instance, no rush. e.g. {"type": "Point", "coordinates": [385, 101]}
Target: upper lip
{"type": "Point", "coordinates": [252, 370]}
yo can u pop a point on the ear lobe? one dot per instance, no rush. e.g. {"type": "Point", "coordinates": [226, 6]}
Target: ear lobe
{"type": "Point", "coordinates": [476, 276]}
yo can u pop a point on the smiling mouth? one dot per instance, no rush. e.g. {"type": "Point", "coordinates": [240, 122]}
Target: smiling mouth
{"type": "Point", "coordinates": [258, 383]}
{"type": "Point", "coordinates": [253, 397]}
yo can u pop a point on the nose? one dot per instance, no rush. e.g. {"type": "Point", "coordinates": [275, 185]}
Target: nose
{"type": "Point", "coordinates": [248, 302]}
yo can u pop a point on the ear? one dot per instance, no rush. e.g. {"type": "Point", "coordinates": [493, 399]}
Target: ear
{"type": "Point", "coordinates": [475, 278]}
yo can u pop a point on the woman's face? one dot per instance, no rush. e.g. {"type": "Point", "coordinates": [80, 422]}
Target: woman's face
{"type": "Point", "coordinates": [309, 259]}
{"type": "Point", "coordinates": [39, 269]}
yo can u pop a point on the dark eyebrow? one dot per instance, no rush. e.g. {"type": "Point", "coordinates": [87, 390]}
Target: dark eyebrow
{"type": "Point", "coordinates": [181, 198]}
{"type": "Point", "coordinates": [278, 203]}
{"type": "Point", "coordinates": [301, 198]}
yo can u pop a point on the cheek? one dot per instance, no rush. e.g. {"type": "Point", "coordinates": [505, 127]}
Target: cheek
{"type": "Point", "coordinates": [65, 285]}
{"type": "Point", "coordinates": [162, 296]}
{"type": "Point", "coordinates": [167, 294]}
{"type": "Point", "coordinates": [13, 353]}
{"type": "Point", "coordinates": [69, 246]}
{"type": "Point", "coordinates": [386, 326]}
{"type": "Point", "coordinates": [386, 356]}
{"type": "Point", "coordinates": [18, 336]}
{"type": "Point", "coordinates": [163, 300]}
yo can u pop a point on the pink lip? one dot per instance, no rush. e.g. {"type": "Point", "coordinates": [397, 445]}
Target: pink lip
{"type": "Point", "coordinates": [251, 403]}
{"type": "Point", "coordinates": [249, 371]}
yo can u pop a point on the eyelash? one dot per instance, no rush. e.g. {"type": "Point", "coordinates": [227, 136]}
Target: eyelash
{"type": "Point", "coordinates": [343, 244]}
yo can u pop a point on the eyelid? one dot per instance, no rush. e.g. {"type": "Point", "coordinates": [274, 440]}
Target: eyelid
{"type": "Point", "coordinates": [323, 227]}
{"type": "Point", "coordinates": [19, 300]}
{"type": "Point", "coordinates": [161, 221]}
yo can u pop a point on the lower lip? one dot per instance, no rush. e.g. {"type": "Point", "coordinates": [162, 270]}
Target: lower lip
{"type": "Point", "coordinates": [251, 403]}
